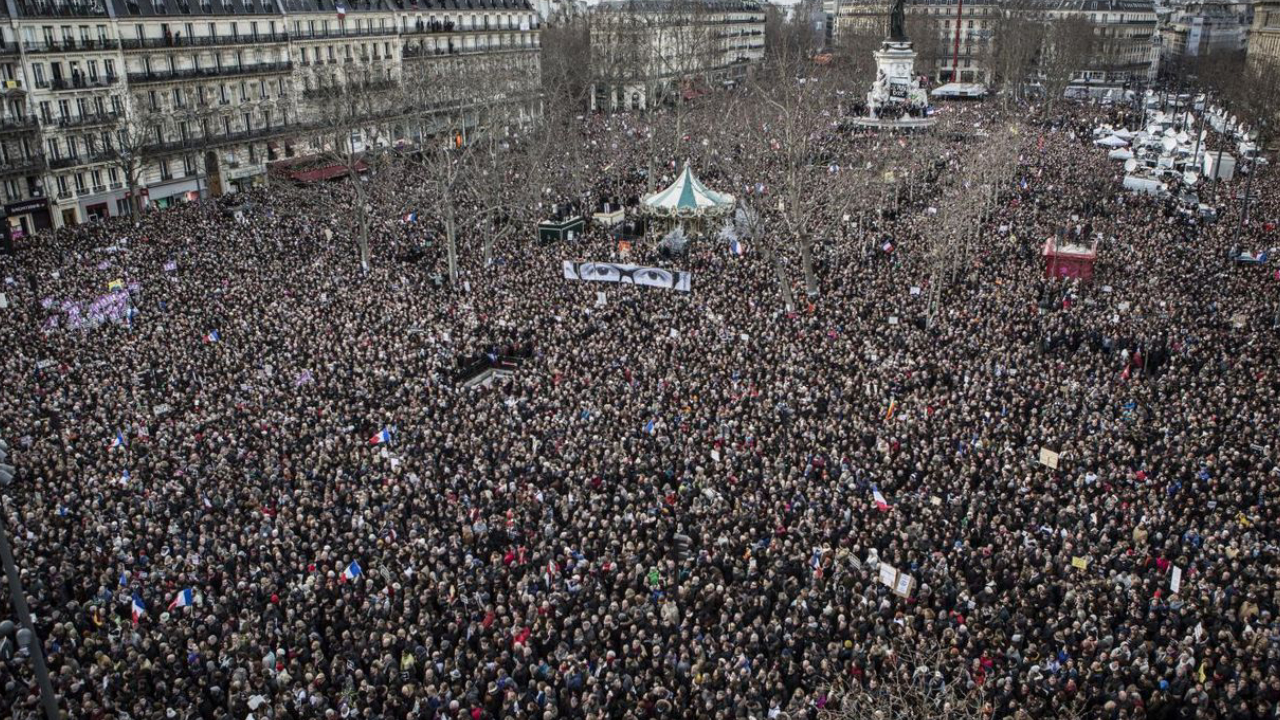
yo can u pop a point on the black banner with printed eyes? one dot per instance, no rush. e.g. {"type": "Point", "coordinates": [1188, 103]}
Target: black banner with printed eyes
{"type": "Point", "coordinates": [630, 274]}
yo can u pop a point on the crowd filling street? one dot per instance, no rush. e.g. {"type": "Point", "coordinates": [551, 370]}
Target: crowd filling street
{"type": "Point", "coordinates": [668, 508]}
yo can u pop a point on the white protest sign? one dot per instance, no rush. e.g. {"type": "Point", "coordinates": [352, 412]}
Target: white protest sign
{"type": "Point", "coordinates": [902, 587]}
{"type": "Point", "coordinates": [1175, 579]}
{"type": "Point", "coordinates": [888, 574]}
{"type": "Point", "coordinates": [915, 290]}
{"type": "Point", "coordinates": [1049, 458]}
{"type": "Point", "coordinates": [893, 319]}
{"type": "Point", "coordinates": [600, 299]}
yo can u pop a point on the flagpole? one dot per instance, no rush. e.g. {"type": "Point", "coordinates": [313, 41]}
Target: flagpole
{"type": "Point", "coordinates": [19, 600]}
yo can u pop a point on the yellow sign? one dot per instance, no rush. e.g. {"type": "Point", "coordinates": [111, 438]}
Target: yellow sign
{"type": "Point", "coordinates": [1079, 562]}
{"type": "Point", "coordinates": [115, 284]}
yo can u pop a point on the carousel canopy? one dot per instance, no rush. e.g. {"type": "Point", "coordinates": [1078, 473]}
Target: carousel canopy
{"type": "Point", "coordinates": [688, 197]}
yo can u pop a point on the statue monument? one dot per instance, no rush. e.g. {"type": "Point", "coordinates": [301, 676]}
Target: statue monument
{"type": "Point", "coordinates": [896, 99]}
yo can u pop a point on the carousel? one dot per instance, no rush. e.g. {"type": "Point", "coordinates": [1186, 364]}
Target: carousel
{"type": "Point", "coordinates": [686, 208]}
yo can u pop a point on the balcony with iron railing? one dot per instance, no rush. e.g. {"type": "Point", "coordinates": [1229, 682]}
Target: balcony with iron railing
{"type": "Point", "coordinates": [338, 34]}
{"type": "Point", "coordinates": [455, 30]}
{"type": "Point", "coordinates": [19, 124]}
{"type": "Point", "coordinates": [88, 120]}
{"type": "Point", "coordinates": [78, 82]}
{"type": "Point", "coordinates": [413, 53]}
{"type": "Point", "coordinates": [218, 140]}
{"type": "Point", "coordinates": [198, 41]}
{"type": "Point", "coordinates": [161, 76]}
{"type": "Point", "coordinates": [30, 165]}
{"type": "Point", "coordinates": [67, 45]}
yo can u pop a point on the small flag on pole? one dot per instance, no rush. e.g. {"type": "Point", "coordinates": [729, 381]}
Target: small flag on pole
{"type": "Point", "coordinates": [183, 599]}
{"type": "Point", "coordinates": [118, 441]}
{"type": "Point", "coordinates": [212, 337]}
{"type": "Point", "coordinates": [736, 248]}
{"type": "Point", "coordinates": [410, 217]}
{"type": "Point", "coordinates": [352, 572]}
{"type": "Point", "coordinates": [342, 10]}
{"type": "Point", "coordinates": [648, 427]}
{"type": "Point", "coordinates": [383, 436]}
{"type": "Point", "coordinates": [893, 406]}
{"type": "Point", "coordinates": [887, 246]}
{"type": "Point", "coordinates": [138, 608]}
{"type": "Point", "coordinates": [881, 505]}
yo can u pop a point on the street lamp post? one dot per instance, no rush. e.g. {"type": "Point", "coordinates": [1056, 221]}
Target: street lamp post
{"type": "Point", "coordinates": [26, 634]}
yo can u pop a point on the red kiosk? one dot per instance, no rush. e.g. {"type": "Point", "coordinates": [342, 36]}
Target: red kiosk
{"type": "Point", "coordinates": [1068, 260]}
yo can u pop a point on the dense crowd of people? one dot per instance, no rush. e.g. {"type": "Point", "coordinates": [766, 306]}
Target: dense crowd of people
{"type": "Point", "coordinates": [669, 508]}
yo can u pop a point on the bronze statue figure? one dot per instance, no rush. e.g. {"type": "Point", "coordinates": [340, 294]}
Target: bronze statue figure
{"type": "Point", "coordinates": [898, 21]}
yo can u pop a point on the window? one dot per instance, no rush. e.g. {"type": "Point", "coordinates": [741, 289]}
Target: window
{"type": "Point", "coordinates": [116, 104]}
{"type": "Point", "coordinates": [153, 100]}
{"type": "Point", "coordinates": [37, 69]}
{"type": "Point", "coordinates": [177, 98]}
{"type": "Point", "coordinates": [55, 150]}
{"type": "Point", "coordinates": [247, 120]}
{"type": "Point", "coordinates": [165, 173]}
{"type": "Point", "coordinates": [189, 165]}
{"type": "Point", "coordinates": [62, 186]}
{"type": "Point", "coordinates": [113, 174]}
{"type": "Point", "coordinates": [109, 66]}
{"type": "Point", "coordinates": [97, 179]}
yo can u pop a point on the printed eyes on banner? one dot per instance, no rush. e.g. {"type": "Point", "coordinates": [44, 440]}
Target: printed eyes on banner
{"type": "Point", "coordinates": [656, 277]}
{"type": "Point", "coordinates": [600, 271]}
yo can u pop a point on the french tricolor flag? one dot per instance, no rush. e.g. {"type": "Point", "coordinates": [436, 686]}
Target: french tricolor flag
{"type": "Point", "coordinates": [118, 441]}
{"type": "Point", "coordinates": [383, 436]}
{"type": "Point", "coordinates": [736, 248]}
{"type": "Point", "coordinates": [410, 217]}
{"type": "Point", "coordinates": [138, 607]}
{"type": "Point", "coordinates": [183, 599]}
{"type": "Point", "coordinates": [881, 505]}
{"type": "Point", "coordinates": [212, 337]}
{"type": "Point", "coordinates": [352, 572]}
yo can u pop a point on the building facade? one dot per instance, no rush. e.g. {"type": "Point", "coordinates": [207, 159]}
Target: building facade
{"type": "Point", "coordinates": [1197, 29]}
{"type": "Point", "coordinates": [1264, 35]}
{"type": "Point", "coordinates": [110, 102]}
{"type": "Point", "coordinates": [955, 39]}
{"type": "Point", "coordinates": [649, 52]}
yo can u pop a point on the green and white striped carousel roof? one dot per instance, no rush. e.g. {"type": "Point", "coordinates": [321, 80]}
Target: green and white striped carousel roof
{"type": "Point", "coordinates": [688, 196]}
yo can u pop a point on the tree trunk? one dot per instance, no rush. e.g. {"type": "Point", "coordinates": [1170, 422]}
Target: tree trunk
{"type": "Point", "coordinates": [364, 237]}
{"type": "Point", "coordinates": [133, 193]}
{"type": "Point", "coordinates": [450, 239]}
{"type": "Point", "coordinates": [362, 220]}
{"type": "Point", "coordinates": [784, 285]}
{"type": "Point", "coordinates": [806, 261]}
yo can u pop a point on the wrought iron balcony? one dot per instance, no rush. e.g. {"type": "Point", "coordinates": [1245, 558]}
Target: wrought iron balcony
{"type": "Point", "coordinates": [161, 76]}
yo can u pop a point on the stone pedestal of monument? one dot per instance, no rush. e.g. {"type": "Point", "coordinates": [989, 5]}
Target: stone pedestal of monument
{"type": "Point", "coordinates": [896, 99]}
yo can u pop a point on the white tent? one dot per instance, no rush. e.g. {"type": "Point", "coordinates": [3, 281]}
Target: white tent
{"type": "Point", "coordinates": [688, 197]}
{"type": "Point", "coordinates": [1111, 141]}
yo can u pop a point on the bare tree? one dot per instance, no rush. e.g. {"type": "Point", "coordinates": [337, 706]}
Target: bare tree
{"type": "Point", "coordinates": [1067, 50]}
{"type": "Point", "coordinates": [139, 137]}
{"type": "Point", "coordinates": [566, 66]}
{"type": "Point", "coordinates": [351, 110]}
{"type": "Point", "coordinates": [1019, 35]}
